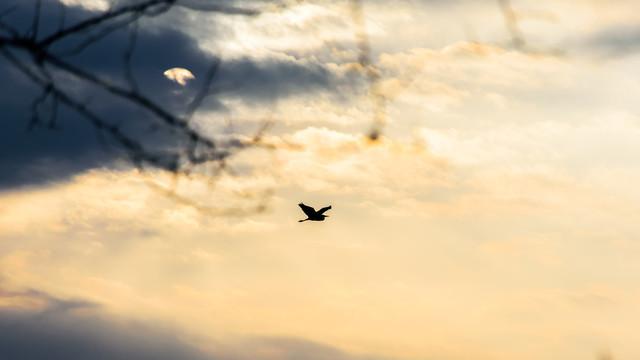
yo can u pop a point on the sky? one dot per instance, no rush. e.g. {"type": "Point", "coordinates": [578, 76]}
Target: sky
{"type": "Point", "coordinates": [495, 217]}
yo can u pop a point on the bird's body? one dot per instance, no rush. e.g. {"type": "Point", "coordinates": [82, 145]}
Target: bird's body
{"type": "Point", "coordinates": [312, 214]}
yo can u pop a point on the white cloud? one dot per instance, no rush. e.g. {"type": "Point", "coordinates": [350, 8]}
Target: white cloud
{"type": "Point", "coordinates": [93, 5]}
{"type": "Point", "coordinates": [336, 162]}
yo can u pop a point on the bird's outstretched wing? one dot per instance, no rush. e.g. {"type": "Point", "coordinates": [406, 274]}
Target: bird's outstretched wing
{"type": "Point", "coordinates": [307, 209]}
{"type": "Point", "coordinates": [321, 211]}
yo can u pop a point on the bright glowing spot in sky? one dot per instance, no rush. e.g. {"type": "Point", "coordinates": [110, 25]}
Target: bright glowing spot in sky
{"type": "Point", "coordinates": [179, 75]}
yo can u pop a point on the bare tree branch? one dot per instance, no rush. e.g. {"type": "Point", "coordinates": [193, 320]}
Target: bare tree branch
{"type": "Point", "coordinates": [205, 89]}
{"type": "Point", "coordinates": [33, 31]}
{"type": "Point", "coordinates": [99, 35]}
{"type": "Point", "coordinates": [140, 8]}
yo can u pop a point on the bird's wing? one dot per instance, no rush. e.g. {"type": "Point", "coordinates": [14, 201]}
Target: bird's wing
{"type": "Point", "coordinates": [321, 211]}
{"type": "Point", "coordinates": [307, 209]}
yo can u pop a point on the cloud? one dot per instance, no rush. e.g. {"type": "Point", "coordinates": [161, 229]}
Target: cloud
{"type": "Point", "coordinates": [60, 331]}
{"type": "Point", "coordinates": [614, 41]}
{"type": "Point", "coordinates": [273, 348]}
{"type": "Point", "coordinates": [340, 163]}
{"type": "Point", "coordinates": [95, 5]}
{"type": "Point", "coordinates": [71, 329]}
{"type": "Point", "coordinates": [124, 205]}
{"type": "Point", "coordinates": [43, 155]}
{"type": "Point", "coordinates": [269, 79]}
{"type": "Point", "coordinates": [463, 68]}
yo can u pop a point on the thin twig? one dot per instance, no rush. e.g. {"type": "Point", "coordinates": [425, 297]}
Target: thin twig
{"type": "Point", "coordinates": [94, 38]}
{"type": "Point", "coordinates": [97, 20]}
{"type": "Point", "coordinates": [205, 89]}
{"type": "Point", "coordinates": [33, 30]}
{"type": "Point", "coordinates": [128, 54]}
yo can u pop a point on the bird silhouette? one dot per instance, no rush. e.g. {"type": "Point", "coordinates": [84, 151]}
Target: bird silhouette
{"type": "Point", "coordinates": [312, 214]}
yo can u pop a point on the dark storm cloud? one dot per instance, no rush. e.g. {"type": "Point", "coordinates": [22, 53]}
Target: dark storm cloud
{"type": "Point", "coordinates": [44, 155]}
{"type": "Point", "coordinates": [40, 155]}
{"type": "Point", "coordinates": [58, 332]}
{"type": "Point", "coordinates": [270, 78]}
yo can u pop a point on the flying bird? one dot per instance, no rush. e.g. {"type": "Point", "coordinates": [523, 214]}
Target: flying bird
{"type": "Point", "coordinates": [312, 214]}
